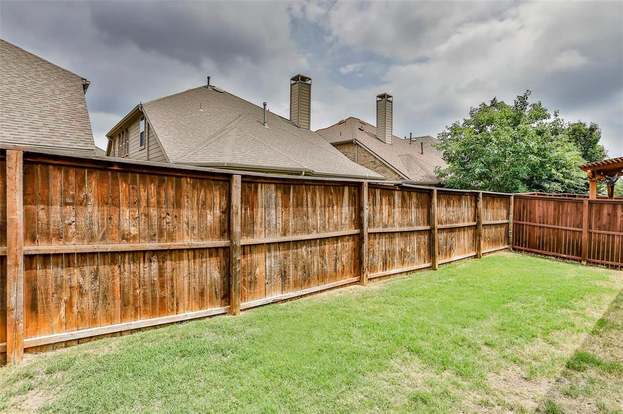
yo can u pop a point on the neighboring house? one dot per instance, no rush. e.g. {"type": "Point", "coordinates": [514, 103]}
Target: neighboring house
{"type": "Point", "coordinates": [41, 104]}
{"type": "Point", "coordinates": [207, 126]}
{"type": "Point", "coordinates": [376, 148]}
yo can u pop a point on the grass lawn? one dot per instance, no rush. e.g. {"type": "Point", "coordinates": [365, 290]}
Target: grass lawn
{"type": "Point", "coordinates": [507, 332]}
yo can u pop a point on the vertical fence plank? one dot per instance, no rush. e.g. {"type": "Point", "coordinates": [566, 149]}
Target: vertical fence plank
{"type": "Point", "coordinates": [585, 230]}
{"type": "Point", "coordinates": [235, 249]}
{"type": "Point", "coordinates": [15, 256]}
{"type": "Point", "coordinates": [511, 206]}
{"type": "Point", "coordinates": [363, 249]}
{"type": "Point", "coordinates": [434, 232]}
{"type": "Point", "coordinates": [479, 225]}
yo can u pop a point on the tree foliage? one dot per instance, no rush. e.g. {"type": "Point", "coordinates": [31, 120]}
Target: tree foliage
{"type": "Point", "coordinates": [513, 148]}
{"type": "Point", "coordinates": [586, 138]}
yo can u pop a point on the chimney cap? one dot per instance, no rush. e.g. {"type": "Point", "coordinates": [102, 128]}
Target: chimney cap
{"type": "Point", "coordinates": [300, 78]}
{"type": "Point", "coordinates": [384, 95]}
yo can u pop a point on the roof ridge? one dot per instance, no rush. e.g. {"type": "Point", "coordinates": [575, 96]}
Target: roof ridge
{"type": "Point", "coordinates": [217, 134]}
{"type": "Point", "coordinates": [171, 95]}
{"type": "Point", "coordinates": [219, 90]}
{"type": "Point", "coordinates": [281, 152]}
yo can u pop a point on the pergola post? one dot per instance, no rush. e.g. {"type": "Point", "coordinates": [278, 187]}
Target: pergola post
{"type": "Point", "coordinates": [608, 171]}
{"type": "Point", "coordinates": [592, 188]}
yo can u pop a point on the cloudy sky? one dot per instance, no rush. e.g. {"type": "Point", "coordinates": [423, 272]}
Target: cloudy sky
{"type": "Point", "coordinates": [436, 58]}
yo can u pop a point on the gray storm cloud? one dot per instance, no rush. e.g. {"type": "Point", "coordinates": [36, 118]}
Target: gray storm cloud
{"type": "Point", "coordinates": [437, 58]}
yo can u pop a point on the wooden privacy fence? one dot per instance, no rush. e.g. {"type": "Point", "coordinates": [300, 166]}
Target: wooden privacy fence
{"type": "Point", "coordinates": [571, 228]}
{"type": "Point", "coordinates": [91, 247]}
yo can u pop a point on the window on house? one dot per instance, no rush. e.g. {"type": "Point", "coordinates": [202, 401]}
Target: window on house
{"type": "Point", "coordinates": [141, 133]}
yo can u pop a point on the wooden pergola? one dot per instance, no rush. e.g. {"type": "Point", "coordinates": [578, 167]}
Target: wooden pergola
{"type": "Point", "coordinates": [608, 171]}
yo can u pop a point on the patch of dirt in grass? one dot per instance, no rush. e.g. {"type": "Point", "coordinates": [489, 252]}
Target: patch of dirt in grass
{"type": "Point", "coordinates": [515, 391]}
{"type": "Point", "coordinates": [592, 381]}
{"type": "Point", "coordinates": [20, 391]}
{"type": "Point", "coordinates": [31, 402]}
{"type": "Point", "coordinates": [37, 381]}
{"type": "Point", "coordinates": [524, 385]}
{"type": "Point", "coordinates": [405, 386]}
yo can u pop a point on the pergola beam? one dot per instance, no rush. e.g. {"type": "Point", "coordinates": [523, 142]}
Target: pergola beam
{"type": "Point", "coordinates": [608, 170]}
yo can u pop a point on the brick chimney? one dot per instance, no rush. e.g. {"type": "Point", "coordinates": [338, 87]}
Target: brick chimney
{"type": "Point", "coordinates": [384, 117]}
{"type": "Point", "coordinates": [300, 101]}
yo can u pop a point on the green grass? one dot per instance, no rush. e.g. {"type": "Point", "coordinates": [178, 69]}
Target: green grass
{"type": "Point", "coordinates": [593, 378]}
{"type": "Point", "coordinates": [582, 360]}
{"type": "Point", "coordinates": [476, 335]}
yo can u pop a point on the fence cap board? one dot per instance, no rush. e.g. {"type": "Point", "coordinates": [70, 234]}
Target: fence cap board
{"type": "Point", "coordinates": [40, 152]}
{"type": "Point", "coordinates": [449, 190]}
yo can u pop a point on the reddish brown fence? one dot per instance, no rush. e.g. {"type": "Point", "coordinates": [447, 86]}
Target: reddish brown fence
{"type": "Point", "coordinates": [571, 228]}
{"type": "Point", "coordinates": [102, 246]}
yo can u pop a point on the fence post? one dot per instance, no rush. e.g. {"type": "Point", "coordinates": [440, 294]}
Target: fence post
{"type": "Point", "coordinates": [479, 225]}
{"type": "Point", "coordinates": [15, 256]}
{"type": "Point", "coordinates": [234, 240]}
{"type": "Point", "coordinates": [363, 245]}
{"type": "Point", "coordinates": [585, 208]}
{"type": "Point", "coordinates": [433, 225]}
{"type": "Point", "coordinates": [511, 206]}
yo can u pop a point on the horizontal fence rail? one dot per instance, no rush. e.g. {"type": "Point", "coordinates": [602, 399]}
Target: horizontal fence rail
{"type": "Point", "coordinates": [93, 247]}
{"type": "Point", "coordinates": [590, 231]}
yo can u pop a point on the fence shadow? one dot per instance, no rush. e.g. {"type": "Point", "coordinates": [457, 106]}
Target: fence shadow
{"type": "Point", "coordinates": [592, 379]}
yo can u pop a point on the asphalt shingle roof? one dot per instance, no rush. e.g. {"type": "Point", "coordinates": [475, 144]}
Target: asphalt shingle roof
{"type": "Point", "coordinates": [405, 157]}
{"type": "Point", "coordinates": [210, 127]}
{"type": "Point", "coordinates": [42, 104]}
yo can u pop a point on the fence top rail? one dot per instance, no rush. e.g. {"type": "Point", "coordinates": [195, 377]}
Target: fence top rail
{"type": "Point", "coordinates": [449, 190]}
{"type": "Point", "coordinates": [42, 154]}
{"type": "Point", "coordinates": [47, 154]}
{"type": "Point", "coordinates": [568, 195]}
{"type": "Point", "coordinates": [570, 199]}
{"type": "Point", "coordinates": [543, 197]}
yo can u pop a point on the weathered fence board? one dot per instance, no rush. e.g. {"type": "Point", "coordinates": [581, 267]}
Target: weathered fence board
{"type": "Point", "coordinates": [456, 217]}
{"type": "Point", "coordinates": [399, 227]}
{"type": "Point", "coordinates": [111, 247]}
{"type": "Point", "coordinates": [3, 292]}
{"type": "Point", "coordinates": [570, 228]}
{"type": "Point", "coordinates": [606, 232]}
{"type": "Point", "coordinates": [496, 217]}
{"type": "Point", "coordinates": [274, 216]}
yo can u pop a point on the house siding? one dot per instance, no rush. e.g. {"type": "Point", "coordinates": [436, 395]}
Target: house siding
{"type": "Point", "coordinates": [151, 152]}
{"type": "Point", "coordinates": [365, 158]}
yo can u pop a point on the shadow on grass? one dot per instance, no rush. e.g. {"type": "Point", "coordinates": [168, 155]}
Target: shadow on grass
{"type": "Point", "coordinates": [592, 380]}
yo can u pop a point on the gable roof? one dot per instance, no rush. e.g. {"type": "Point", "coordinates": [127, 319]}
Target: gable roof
{"type": "Point", "coordinates": [43, 105]}
{"type": "Point", "coordinates": [404, 157]}
{"type": "Point", "coordinates": [210, 127]}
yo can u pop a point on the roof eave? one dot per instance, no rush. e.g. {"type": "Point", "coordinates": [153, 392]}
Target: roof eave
{"type": "Point", "coordinates": [240, 166]}
{"type": "Point", "coordinates": [123, 120]}
{"type": "Point", "coordinates": [270, 169]}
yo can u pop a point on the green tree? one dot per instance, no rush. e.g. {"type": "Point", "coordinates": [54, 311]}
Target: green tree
{"type": "Point", "coordinates": [586, 138]}
{"type": "Point", "coordinates": [511, 148]}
